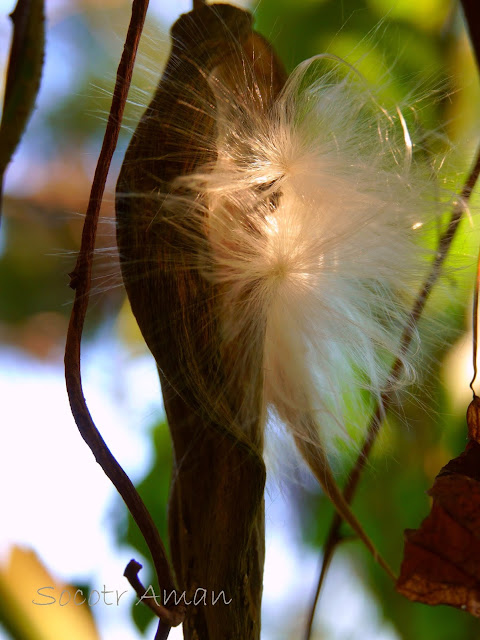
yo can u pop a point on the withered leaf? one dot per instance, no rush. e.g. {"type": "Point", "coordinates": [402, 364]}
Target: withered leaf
{"type": "Point", "coordinates": [473, 419]}
{"type": "Point", "coordinates": [23, 76]}
{"type": "Point", "coordinates": [441, 563]}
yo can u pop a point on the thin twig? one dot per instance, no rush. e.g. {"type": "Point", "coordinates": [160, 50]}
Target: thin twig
{"type": "Point", "coordinates": [131, 573]}
{"type": "Point", "coordinates": [334, 536]}
{"type": "Point", "coordinates": [81, 282]}
{"type": "Point", "coordinates": [475, 325]}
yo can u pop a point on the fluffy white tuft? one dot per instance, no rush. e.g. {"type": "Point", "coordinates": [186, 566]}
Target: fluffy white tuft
{"type": "Point", "coordinates": [312, 210]}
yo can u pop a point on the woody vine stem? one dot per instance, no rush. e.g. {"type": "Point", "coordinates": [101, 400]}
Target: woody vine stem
{"type": "Point", "coordinates": [475, 327]}
{"type": "Point", "coordinates": [81, 283]}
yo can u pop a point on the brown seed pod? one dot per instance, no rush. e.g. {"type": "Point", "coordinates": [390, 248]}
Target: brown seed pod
{"type": "Point", "coordinates": [212, 393]}
{"type": "Point", "coordinates": [159, 241]}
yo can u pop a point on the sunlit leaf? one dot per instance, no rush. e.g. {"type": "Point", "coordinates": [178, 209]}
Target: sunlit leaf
{"type": "Point", "coordinates": [36, 606]}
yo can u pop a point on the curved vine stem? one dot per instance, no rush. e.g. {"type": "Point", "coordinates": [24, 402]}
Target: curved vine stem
{"type": "Point", "coordinates": [475, 327]}
{"type": "Point", "coordinates": [81, 282]}
{"type": "Point", "coordinates": [334, 537]}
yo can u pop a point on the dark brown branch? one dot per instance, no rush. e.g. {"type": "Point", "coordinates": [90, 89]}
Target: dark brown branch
{"type": "Point", "coordinates": [81, 282]}
{"type": "Point", "coordinates": [471, 10]}
{"type": "Point", "coordinates": [334, 537]}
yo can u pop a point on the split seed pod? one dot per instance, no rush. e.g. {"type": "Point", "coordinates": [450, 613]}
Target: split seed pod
{"type": "Point", "coordinates": [212, 393]}
{"type": "Point", "coordinates": [266, 232]}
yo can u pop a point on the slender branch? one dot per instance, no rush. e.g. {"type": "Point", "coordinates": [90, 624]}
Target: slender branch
{"type": "Point", "coordinates": [334, 537]}
{"type": "Point", "coordinates": [475, 326]}
{"type": "Point", "coordinates": [176, 617]}
{"type": "Point", "coordinates": [471, 10]}
{"type": "Point", "coordinates": [81, 282]}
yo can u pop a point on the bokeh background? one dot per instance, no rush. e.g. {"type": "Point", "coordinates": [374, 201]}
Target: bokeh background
{"type": "Point", "coordinates": [61, 522]}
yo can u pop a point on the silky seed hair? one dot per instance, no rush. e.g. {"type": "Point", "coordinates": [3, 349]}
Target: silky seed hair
{"type": "Point", "coordinates": [312, 213]}
{"type": "Point", "coordinates": [301, 219]}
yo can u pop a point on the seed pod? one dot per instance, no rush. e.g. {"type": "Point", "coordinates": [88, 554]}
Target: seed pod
{"type": "Point", "coordinates": [212, 392]}
{"type": "Point", "coordinates": [158, 233]}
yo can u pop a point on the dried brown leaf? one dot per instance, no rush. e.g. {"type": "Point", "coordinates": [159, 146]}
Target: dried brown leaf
{"type": "Point", "coordinates": [473, 419]}
{"type": "Point", "coordinates": [441, 563]}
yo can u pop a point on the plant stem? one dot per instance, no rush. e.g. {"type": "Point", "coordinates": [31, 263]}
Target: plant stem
{"type": "Point", "coordinates": [81, 282]}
